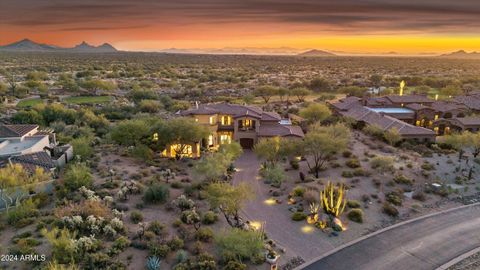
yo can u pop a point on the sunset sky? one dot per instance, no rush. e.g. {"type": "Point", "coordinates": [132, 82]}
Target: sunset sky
{"type": "Point", "coordinates": [348, 26]}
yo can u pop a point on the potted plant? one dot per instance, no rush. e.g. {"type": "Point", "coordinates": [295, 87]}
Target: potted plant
{"type": "Point", "coordinates": [272, 256]}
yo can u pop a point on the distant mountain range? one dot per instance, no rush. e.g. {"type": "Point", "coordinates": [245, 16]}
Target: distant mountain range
{"type": "Point", "coordinates": [27, 45]}
{"type": "Point", "coordinates": [462, 55]}
{"type": "Point", "coordinates": [316, 53]}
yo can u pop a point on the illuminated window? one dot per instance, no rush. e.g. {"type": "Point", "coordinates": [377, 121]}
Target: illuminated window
{"type": "Point", "coordinates": [181, 150]}
{"type": "Point", "coordinates": [436, 130]}
{"type": "Point", "coordinates": [226, 120]}
{"type": "Point", "coordinates": [417, 123]}
{"type": "Point", "coordinates": [436, 117]}
{"type": "Point", "coordinates": [155, 137]}
{"type": "Point", "coordinates": [210, 140]}
{"type": "Point", "coordinates": [225, 139]}
{"type": "Point", "coordinates": [196, 119]}
{"type": "Point", "coordinates": [212, 120]}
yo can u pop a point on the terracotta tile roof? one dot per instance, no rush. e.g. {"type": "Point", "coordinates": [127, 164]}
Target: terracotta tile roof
{"type": "Point", "coordinates": [233, 109]}
{"type": "Point", "coordinates": [41, 159]}
{"type": "Point", "coordinates": [409, 99]}
{"type": "Point", "coordinates": [417, 107]}
{"type": "Point", "coordinates": [470, 101]}
{"type": "Point", "coordinates": [469, 121]}
{"type": "Point", "coordinates": [347, 103]}
{"type": "Point", "coordinates": [15, 130]}
{"type": "Point", "coordinates": [377, 101]}
{"type": "Point", "coordinates": [386, 122]}
{"type": "Point", "coordinates": [443, 106]}
{"type": "Point", "coordinates": [272, 130]}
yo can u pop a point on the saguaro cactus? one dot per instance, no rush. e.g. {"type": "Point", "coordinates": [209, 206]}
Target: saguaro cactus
{"type": "Point", "coordinates": [333, 199]}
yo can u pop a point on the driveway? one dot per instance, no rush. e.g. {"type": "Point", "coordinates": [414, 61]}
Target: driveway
{"type": "Point", "coordinates": [423, 244]}
{"type": "Point", "coordinates": [278, 225]}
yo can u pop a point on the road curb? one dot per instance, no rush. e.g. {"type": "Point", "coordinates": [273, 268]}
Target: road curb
{"type": "Point", "coordinates": [458, 259]}
{"type": "Point", "coordinates": [383, 230]}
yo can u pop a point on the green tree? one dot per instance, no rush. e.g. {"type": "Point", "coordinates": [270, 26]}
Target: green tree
{"type": "Point", "coordinates": [392, 136]}
{"type": "Point", "coordinates": [315, 113]}
{"type": "Point", "coordinates": [320, 85]}
{"type": "Point", "coordinates": [81, 147]}
{"type": "Point", "coordinates": [322, 142]}
{"type": "Point", "coordinates": [130, 132]}
{"type": "Point", "coordinates": [300, 93]}
{"type": "Point", "coordinates": [27, 117]}
{"type": "Point", "coordinates": [76, 176]}
{"type": "Point", "coordinates": [265, 92]}
{"type": "Point", "coordinates": [275, 148]}
{"type": "Point", "coordinates": [353, 91]}
{"type": "Point", "coordinates": [229, 200]}
{"type": "Point", "coordinates": [376, 80]}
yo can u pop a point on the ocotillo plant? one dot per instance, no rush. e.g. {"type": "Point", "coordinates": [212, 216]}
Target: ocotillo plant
{"type": "Point", "coordinates": [333, 199]}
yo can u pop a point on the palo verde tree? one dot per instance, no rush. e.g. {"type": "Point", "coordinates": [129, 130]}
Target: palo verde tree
{"type": "Point", "coordinates": [214, 166]}
{"type": "Point", "coordinates": [229, 200]}
{"type": "Point", "coordinates": [276, 148]}
{"type": "Point", "coordinates": [315, 113]}
{"type": "Point", "coordinates": [321, 143]}
{"type": "Point", "coordinates": [265, 92]}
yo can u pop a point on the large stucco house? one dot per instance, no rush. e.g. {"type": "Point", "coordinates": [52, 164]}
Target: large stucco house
{"type": "Point", "coordinates": [240, 123]}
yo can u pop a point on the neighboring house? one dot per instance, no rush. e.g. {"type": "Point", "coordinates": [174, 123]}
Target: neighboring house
{"type": "Point", "coordinates": [30, 147]}
{"type": "Point", "coordinates": [232, 122]}
{"type": "Point", "coordinates": [440, 116]}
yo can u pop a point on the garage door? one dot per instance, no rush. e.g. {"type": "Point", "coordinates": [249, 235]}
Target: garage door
{"type": "Point", "coordinates": [246, 143]}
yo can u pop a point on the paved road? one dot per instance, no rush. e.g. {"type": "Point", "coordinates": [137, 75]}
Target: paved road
{"type": "Point", "coordinates": [278, 224]}
{"type": "Point", "coordinates": [423, 244]}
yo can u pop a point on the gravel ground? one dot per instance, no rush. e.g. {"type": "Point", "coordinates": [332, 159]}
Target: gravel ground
{"type": "Point", "coordinates": [470, 263]}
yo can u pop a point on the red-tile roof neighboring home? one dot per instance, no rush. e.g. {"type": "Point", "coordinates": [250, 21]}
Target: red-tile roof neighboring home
{"type": "Point", "coordinates": [273, 130]}
{"type": "Point", "coordinates": [468, 121]}
{"type": "Point", "coordinates": [386, 122]}
{"type": "Point", "coordinates": [32, 160]}
{"type": "Point", "coordinates": [409, 99]}
{"type": "Point", "coordinates": [346, 103]}
{"type": "Point", "coordinates": [470, 101]}
{"type": "Point", "coordinates": [418, 107]}
{"type": "Point", "coordinates": [225, 108]}
{"type": "Point", "coordinates": [443, 106]}
{"type": "Point", "coordinates": [8, 131]}
{"type": "Point", "coordinates": [377, 102]}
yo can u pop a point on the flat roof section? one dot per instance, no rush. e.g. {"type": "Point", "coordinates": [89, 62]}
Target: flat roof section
{"type": "Point", "coordinates": [391, 110]}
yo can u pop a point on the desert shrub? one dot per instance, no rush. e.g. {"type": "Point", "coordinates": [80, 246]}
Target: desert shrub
{"type": "Point", "coordinates": [419, 196]}
{"type": "Point", "coordinates": [244, 244]}
{"type": "Point", "coordinates": [204, 234]}
{"type": "Point", "coordinates": [156, 227]}
{"type": "Point", "coordinates": [209, 218]}
{"type": "Point", "coordinates": [346, 154]}
{"type": "Point", "coordinates": [299, 216]}
{"type": "Point", "coordinates": [360, 172]}
{"type": "Point", "coordinates": [353, 163]}
{"type": "Point", "coordinates": [394, 197]}
{"type": "Point", "coordinates": [234, 265]}
{"type": "Point", "coordinates": [181, 256]}
{"type": "Point", "coordinates": [390, 210]}
{"type": "Point", "coordinates": [347, 174]}
{"type": "Point", "coordinates": [76, 176]}
{"type": "Point", "coordinates": [427, 166]}
{"type": "Point", "coordinates": [355, 215]}
{"type": "Point", "coordinates": [298, 191]}
{"type": "Point", "coordinates": [21, 215]}
{"type": "Point", "coordinates": [175, 243]}
{"type": "Point", "coordinates": [120, 244]}
{"type": "Point", "coordinates": [353, 204]}
{"type": "Point", "coordinates": [136, 217]}
{"type": "Point", "coordinates": [401, 179]}
{"type": "Point", "coordinates": [183, 203]}
{"type": "Point", "coordinates": [294, 164]}
{"type": "Point", "coordinates": [197, 247]}
{"type": "Point", "coordinates": [311, 196]}
{"type": "Point", "coordinates": [273, 176]}
{"type": "Point", "coordinates": [156, 194]}
{"type": "Point", "coordinates": [157, 249]}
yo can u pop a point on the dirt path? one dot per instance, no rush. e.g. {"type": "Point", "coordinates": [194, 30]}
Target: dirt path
{"type": "Point", "coordinates": [278, 225]}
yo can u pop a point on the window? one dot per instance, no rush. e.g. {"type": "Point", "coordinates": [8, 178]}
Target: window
{"type": "Point", "coordinates": [210, 140]}
{"type": "Point", "coordinates": [196, 119]}
{"type": "Point", "coordinates": [417, 123]}
{"type": "Point", "coordinates": [212, 120]}
{"type": "Point", "coordinates": [155, 137]}
{"type": "Point", "coordinates": [225, 139]}
{"type": "Point", "coordinates": [181, 150]}
{"type": "Point", "coordinates": [226, 120]}
{"type": "Point", "coordinates": [436, 130]}
{"type": "Point", "coordinates": [436, 117]}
